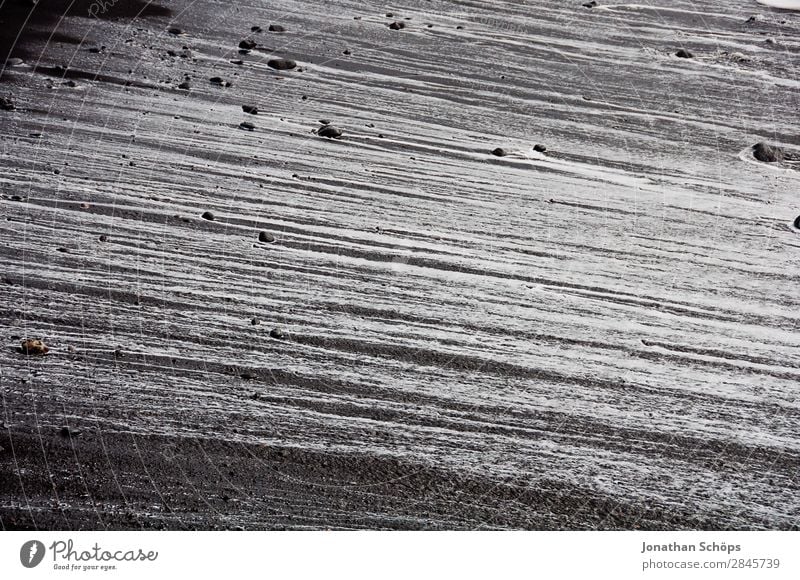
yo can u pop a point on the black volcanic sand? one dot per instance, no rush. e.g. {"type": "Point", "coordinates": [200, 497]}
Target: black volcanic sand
{"type": "Point", "coordinates": [600, 337]}
{"type": "Point", "coordinates": [179, 483]}
{"type": "Point", "coordinates": [25, 29]}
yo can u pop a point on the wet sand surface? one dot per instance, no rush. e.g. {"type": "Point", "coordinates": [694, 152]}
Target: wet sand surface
{"type": "Point", "coordinates": [602, 335]}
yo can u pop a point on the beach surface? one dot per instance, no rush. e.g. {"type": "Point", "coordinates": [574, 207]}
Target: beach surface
{"type": "Point", "coordinates": [254, 326]}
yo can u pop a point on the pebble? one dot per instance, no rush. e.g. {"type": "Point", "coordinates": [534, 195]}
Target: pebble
{"type": "Point", "coordinates": [7, 104]}
{"type": "Point", "coordinates": [767, 153]}
{"type": "Point", "coordinates": [330, 132]}
{"type": "Point", "coordinates": [397, 25]}
{"type": "Point", "coordinates": [256, 29]}
{"type": "Point", "coordinates": [539, 148]}
{"type": "Point", "coordinates": [591, 4]}
{"type": "Point", "coordinates": [266, 237]}
{"type": "Point", "coordinates": [683, 53]}
{"type": "Point", "coordinates": [277, 333]}
{"type": "Point", "coordinates": [176, 31]}
{"type": "Point", "coordinates": [797, 222]}
{"type": "Point", "coordinates": [219, 81]}
{"type": "Point", "coordinates": [255, 321]}
{"type": "Point", "coordinates": [253, 110]}
{"type": "Point", "coordinates": [499, 152]}
{"type": "Point", "coordinates": [33, 346]}
{"type": "Point", "coordinates": [276, 28]}
{"type": "Point", "coordinates": [68, 432]}
{"type": "Point", "coordinates": [208, 216]}
{"type": "Point", "coordinates": [281, 64]}
{"type": "Point", "coordinates": [185, 86]}
{"type": "Point", "coordinates": [247, 126]}
{"type": "Point", "coordinates": [248, 44]}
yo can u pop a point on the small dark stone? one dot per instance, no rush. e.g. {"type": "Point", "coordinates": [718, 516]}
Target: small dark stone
{"type": "Point", "coordinates": [237, 61]}
{"type": "Point", "coordinates": [276, 28]}
{"type": "Point", "coordinates": [253, 110]}
{"type": "Point", "coordinates": [591, 4]}
{"type": "Point", "coordinates": [266, 237]}
{"type": "Point", "coordinates": [346, 51]}
{"type": "Point", "coordinates": [255, 321]}
{"type": "Point", "coordinates": [68, 432]}
{"type": "Point", "coordinates": [683, 53]}
{"type": "Point", "coordinates": [247, 126]}
{"type": "Point", "coordinates": [7, 104]}
{"type": "Point", "coordinates": [539, 148]}
{"type": "Point", "coordinates": [256, 29]}
{"type": "Point", "coordinates": [208, 216]}
{"type": "Point", "coordinates": [500, 152]}
{"type": "Point", "coordinates": [175, 31]}
{"type": "Point", "coordinates": [330, 132]}
{"type": "Point", "coordinates": [797, 222]}
{"type": "Point", "coordinates": [324, 122]}
{"type": "Point", "coordinates": [459, 27]}
{"type": "Point", "coordinates": [248, 44]}
{"type": "Point", "coordinates": [33, 346]}
{"type": "Point", "coordinates": [767, 153]}
{"type": "Point", "coordinates": [219, 81]}
{"type": "Point", "coordinates": [397, 25]}
{"type": "Point", "coordinates": [103, 238]}
{"type": "Point", "coordinates": [185, 86]}
{"type": "Point", "coordinates": [277, 333]}
{"type": "Point", "coordinates": [281, 64]}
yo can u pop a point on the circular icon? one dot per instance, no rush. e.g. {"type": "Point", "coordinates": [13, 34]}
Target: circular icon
{"type": "Point", "coordinates": [31, 553]}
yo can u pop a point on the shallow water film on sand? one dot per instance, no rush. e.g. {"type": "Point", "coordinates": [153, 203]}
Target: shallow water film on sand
{"type": "Point", "coordinates": [437, 265]}
{"type": "Point", "coordinates": [784, 4]}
